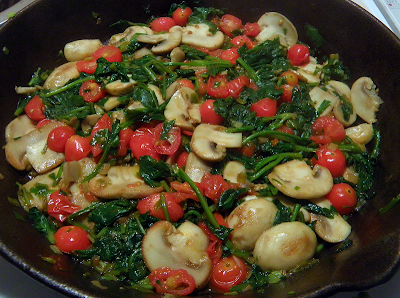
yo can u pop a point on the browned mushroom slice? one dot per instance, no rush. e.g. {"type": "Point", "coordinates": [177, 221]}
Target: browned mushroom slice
{"type": "Point", "coordinates": [81, 49]}
{"type": "Point", "coordinates": [196, 168]}
{"type": "Point", "coordinates": [200, 35]}
{"type": "Point", "coordinates": [273, 25]}
{"type": "Point", "coordinates": [121, 182]}
{"type": "Point", "coordinates": [164, 42]}
{"type": "Point", "coordinates": [61, 75]}
{"type": "Point", "coordinates": [19, 126]}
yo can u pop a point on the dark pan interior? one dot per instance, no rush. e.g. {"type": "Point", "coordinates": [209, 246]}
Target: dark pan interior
{"type": "Point", "coordinates": [37, 34]}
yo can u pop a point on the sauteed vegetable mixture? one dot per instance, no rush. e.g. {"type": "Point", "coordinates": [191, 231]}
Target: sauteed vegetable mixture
{"type": "Point", "coordinates": [195, 153]}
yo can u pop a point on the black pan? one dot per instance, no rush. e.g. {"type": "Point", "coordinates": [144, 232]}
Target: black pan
{"type": "Point", "coordinates": [37, 34]}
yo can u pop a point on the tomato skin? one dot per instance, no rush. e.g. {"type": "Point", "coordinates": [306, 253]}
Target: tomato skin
{"type": "Point", "coordinates": [290, 77]}
{"type": "Point", "coordinates": [240, 40]}
{"type": "Point", "coordinates": [142, 143]}
{"type": "Point", "coordinates": [43, 122]}
{"type": "Point", "coordinates": [181, 15]}
{"type": "Point", "coordinates": [248, 149]}
{"type": "Point", "coordinates": [152, 204]}
{"type": "Point", "coordinates": [124, 139]}
{"type": "Point", "coordinates": [343, 197]}
{"type": "Point", "coordinates": [185, 83]}
{"type": "Point", "coordinates": [287, 93]}
{"type": "Point", "coordinates": [77, 147]}
{"type": "Point", "coordinates": [217, 87]}
{"type": "Point", "coordinates": [229, 23]}
{"type": "Point", "coordinates": [175, 282]}
{"type": "Point", "coordinates": [237, 85]}
{"type": "Point", "coordinates": [230, 55]}
{"type": "Point", "coordinates": [252, 29]}
{"type": "Point", "coordinates": [332, 159]}
{"type": "Point", "coordinates": [58, 137]}
{"type": "Point", "coordinates": [298, 55]}
{"type": "Point", "coordinates": [208, 114]}
{"type": "Point", "coordinates": [91, 91]}
{"type": "Point", "coordinates": [71, 238]}
{"type": "Point", "coordinates": [327, 129]}
{"type": "Point", "coordinates": [265, 107]}
{"type": "Point", "coordinates": [171, 144]}
{"type": "Point", "coordinates": [162, 24]}
{"type": "Point", "coordinates": [87, 66]}
{"type": "Point", "coordinates": [182, 159]}
{"type": "Point", "coordinates": [212, 186]}
{"type": "Point", "coordinates": [35, 108]}
{"type": "Point", "coordinates": [228, 272]}
{"type": "Point", "coordinates": [103, 123]}
{"type": "Point", "coordinates": [110, 53]}
{"type": "Point", "coordinates": [60, 206]}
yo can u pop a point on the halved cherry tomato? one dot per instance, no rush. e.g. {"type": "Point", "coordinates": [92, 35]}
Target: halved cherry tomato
{"type": "Point", "coordinates": [216, 53]}
{"type": "Point", "coordinates": [43, 122]}
{"type": "Point", "coordinates": [110, 53]}
{"type": "Point", "coordinates": [60, 206]}
{"type": "Point", "coordinates": [185, 83]}
{"type": "Point", "coordinates": [228, 272]}
{"type": "Point", "coordinates": [170, 145]}
{"type": "Point", "coordinates": [229, 23]}
{"type": "Point", "coordinates": [91, 91]}
{"type": "Point", "coordinates": [248, 149]}
{"type": "Point", "coordinates": [162, 24]}
{"type": "Point", "coordinates": [265, 107]}
{"type": "Point", "coordinates": [237, 85]}
{"type": "Point", "coordinates": [287, 93]}
{"type": "Point", "coordinates": [58, 137]}
{"type": "Point", "coordinates": [201, 85]}
{"type": "Point", "coordinates": [185, 189]}
{"type": "Point", "coordinates": [71, 238]}
{"type": "Point", "coordinates": [343, 197]}
{"type": "Point", "coordinates": [182, 159]}
{"type": "Point", "coordinates": [230, 55]}
{"type": "Point", "coordinates": [142, 143]}
{"type": "Point", "coordinates": [208, 114]}
{"type": "Point", "coordinates": [175, 282]}
{"type": "Point", "coordinates": [251, 29]}
{"type": "Point", "coordinates": [35, 108]}
{"type": "Point", "coordinates": [87, 66]}
{"type": "Point", "coordinates": [284, 128]}
{"type": "Point", "coordinates": [124, 139]}
{"type": "Point", "coordinates": [212, 186]}
{"type": "Point", "coordinates": [298, 55]}
{"type": "Point", "coordinates": [290, 77]}
{"type": "Point", "coordinates": [326, 130]}
{"type": "Point", "coordinates": [77, 147]}
{"type": "Point", "coordinates": [332, 159]}
{"type": "Point", "coordinates": [217, 87]}
{"type": "Point", "coordinates": [152, 204]}
{"type": "Point", "coordinates": [103, 123]}
{"type": "Point", "coordinates": [181, 15]}
{"type": "Point", "coordinates": [240, 40]}
{"type": "Point", "coordinates": [214, 251]}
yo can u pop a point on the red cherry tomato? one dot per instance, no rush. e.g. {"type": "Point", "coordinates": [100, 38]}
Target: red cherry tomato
{"type": "Point", "coordinates": [248, 149]}
{"type": "Point", "coordinates": [77, 147]}
{"type": "Point", "coordinates": [252, 29]}
{"type": "Point", "coordinates": [87, 66]}
{"type": "Point", "coordinates": [91, 91]}
{"type": "Point", "coordinates": [142, 143]}
{"type": "Point", "coordinates": [298, 55]}
{"type": "Point", "coordinates": [152, 204]}
{"type": "Point", "coordinates": [110, 53]}
{"type": "Point", "coordinates": [229, 23]}
{"type": "Point", "coordinates": [124, 139]}
{"type": "Point", "coordinates": [185, 83]}
{"type": "Point", "coordinates": [43, 122]}
{"type": "Point", "coordinates": [326, 130]}
{"type": "Point", "coordinates": [60, 206]}
{"type": "Point", "coordinates": [175, 282]}
{"type": "Point", "coordinates": [332, 159]}
{"type": "Point", "coordinates": [265, 107]}
{"type": "Point", "coordinates": [170, 145]}
{"type": "Point", "coordinates": [230, 55]}
{"type": "Point", "coordinates": [103, 123]}
{"type": "Point", "coordinates": [217, 87]}
{"type": "Point", "coordinates": [239, 41]}
{"type": "Point", "coordinates": [71, 238]}
{"type": "Point", "coordinates": [162, 24]}
{"type": "Point", "coordinates": [35, 108]}
{"type": "Point", "coordinates": [182, 159]}
{"type": "Point", "coordinates": [58, 137]}
{"type": "Point", "coordinates": [181, 15]}
{"type": "Point", "coordinates": [343, 197]}
{"type": "Point", "coordinates": [228, 272]}
{"type": "Point", "coordinates": [201, 85]}
{"type": "Point", "coordinates": [287, 93]}
{"type": "Point", "coordinates": [208, 114]}
{"type": "Point", "coordinates": [212, 186]}
{"type": "Point", "coordinates": [237, 85]}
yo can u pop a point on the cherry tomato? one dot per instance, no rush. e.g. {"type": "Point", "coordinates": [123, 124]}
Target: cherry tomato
{"type": "Point", "coordinates": [265, 107]}
{"type": "Point", "coordinates": [87, 66]}
{"type": "Point", "coordinates": [185, 83]}
{"type": "Point", "coordinates": [343, 197]}
{"type": "Point", "coordinates": [208, 114]}
{"type": "Point", "coordinates": [230, 55]}
{"type": "Point", "coordinates": [152, 204]}
{"type": "Point", "coordinates": [237, 85]}
{"type": "Point", "coordinates": [290, 77]}
{"type": "Point", "coordinates": [43, 122]}
{"type": "Point", "coordinates": [71, 238]}
{"type": "Point", "coordinates": [124, 139]}
{"type": "Point", "coordinates": [212, 186]}
{"type": "Point", "coordinates": [182, 159]}
{"type": "Point", "coordinates": [110, 53]}
{"type": "Point", "coordinates": [170, 145]}
{"type": "Point", "coordinates": [214, 251]}
{"type": "Point", "coordinates": [77, 147]}
{"type": "Point", "coordinates": [326, 130]}
{"type": "Point", "coordinates": [58, 137]}
{"type": "Point", "coordinates": [142, 143]}
{"type": "Point", "coordinates": [184, 188]}
{"type": "Point", "coordinates": [287, 93]}
{"type": "Point", "coordinates": [252, 29]}
{"type": "Point", "coordinates": [35, 108]}
{"type": "Point", "coordinates": [162, 24]}
{"type": "Point", "coordinates": [91, 91]}
{"type": "Point", "coordinates": [240, 40]}
{"type": "Point", "coordinates": [217, 87]}
{"type": "Point", "coordinates": [248, 149]}
{"type": "Point", "coordinates": [332, 159]}
{"type": "Point", "coordinates": [201, 85]}
{"type": "Point", "coordinates": [228, 272]}
{"type": "Point", "coordinates": [298, 55]}
{"type": "Point", "coordinates": [60, 206]}
{"type": "Point", "coordinates": [176, 282]}
{"type": "Point", "coordinates": [103, 123]}
{"type": "Point", "coordinates": [216, 53]}
{"type": "Point", "coordinates": [229, 23]}
{"type": "Point", "coordinates": [284, 128]}
{"type": "Point", "coordinates": [181, 15]}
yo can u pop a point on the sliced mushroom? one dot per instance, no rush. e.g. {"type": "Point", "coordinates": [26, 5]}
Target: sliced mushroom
{"type": "Point", "coordinates": [285, 246]}
{"type": "Point", "coordinates": [121, 182]}
{"type": "Point", "coordinates": [111, 103]}
{"type": "Point", "coordinates": [350, 175]}
{"type": "Point", "coordinates": [332, 230]}
{"type": "Point", "coordinates": [27, 90]}
{"type": "Point", "coordinates": [81, 49]}
{"type": "Point", "coordinates": [249, 220]}
{"type": "Point", "coordinates": [196, 167]}
{"type": "Point", "coordinates": [61, 75]}
{"type": "Point", "coordinates": [89, 122]}
{"type": "Point", "coordinates": [235, 172]}
{"type": "Point", "coordinates": [288, 202]}
{"type": "Point", "coordinates": [340, 89]}
{"type": "Point", "coordinates": [165, 42]}
{"type": "Point", "coordinates": [209, 142]}
{"type": "Point", "coordinates": [309, 73]}
{"type": "Point", "coordinates": [78, 196]}
{"type": "Point", "coordinates": [118, 87]}
{"type": "Point", "coordinates": [319, 96]}
{"type": "Point", "coordinates": [19, 126]}
{"type": "Point", "coordinates": [199, 35]}
{"type": "Point", "coordinates": [141, 53]}
{"type": "Point", "coordinates": [157, 93]}
{"type": "Point", "coordinates": [365, 99]}
{"type": "Point", "coordinates": [273, 25]}
{"type": "Point", "coordinates": [76, 171]}
{"type": "Point", "coordinates": [361, 134]}
{"type": "Point", "coordinates": [178, 248]}
{"type": "Point", "coordinates": [31, 150]}
{"type": "Point", "coordinates": [118, 39]}
{"type": "Point", "coordinates": [297, 180]}
{"type": "Point", "coordinates": [177, 55]}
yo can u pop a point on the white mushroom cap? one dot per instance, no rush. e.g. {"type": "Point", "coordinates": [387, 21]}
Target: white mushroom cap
{"type": "Point", "coordinates": [297, 180]}
{"type": "Point", "coordinates": [61, 75]}
{"type": "Point", "coordinates": [81, 49]}
{"type": "Point", "coordinates": [19, 126]}
{"type": "Point", "coordinates": [196, 168]}
{"type": "Point", "coordinates": [165, 42]}
{"type": "Point", "coordinates": [249, 220]}
{"type": "Point", "coordinates": [118, 87]}
{"type": "Point", "coordinates": [117, 39]}
{"type": "Point", "coordinates": [308, 73]}
{"type": "Point", "coordinates": [181, 248]}
{"type": "Point", "coordinates": [199, 35]}
{"type": "Point", "coordinates": [361, 134]}
{"type": "Point", "coordinates": [318, 96]}
{"type": "Point", "coordinates": [273, 25]}
{"type": "Point", "coordinates": [285, 246]}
